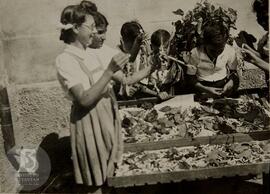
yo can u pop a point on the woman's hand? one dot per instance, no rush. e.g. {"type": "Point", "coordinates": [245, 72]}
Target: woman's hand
{"type": "Point", "coordinates": [215, 91]}
{"type": "Point", "coordinates": [140, 38]}
{"type": "Point", "coordinates": [227, 89]}
{"type": "Point", "coordinates": [245, 47]}
{"type": "Point", "coordinates": [139, 41]}
{"type": "Point", "coordinates": [132, 90]}
{"type": "Point", "coordinates": [164, 95]}
{"type": "Point", "coordinates": [250, 55]}
{"type": "Point", "coordinates": [255, 58]}
{"type": "Point", "coordinates": [118, 61]}
{"type": "Point", "coordinates": [136, 46]}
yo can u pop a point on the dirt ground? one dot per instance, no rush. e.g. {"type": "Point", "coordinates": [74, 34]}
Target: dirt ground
{"type": "Point", "coordinates": [221, 186]}
{"type": "Point", "coordinates": [50, 139]}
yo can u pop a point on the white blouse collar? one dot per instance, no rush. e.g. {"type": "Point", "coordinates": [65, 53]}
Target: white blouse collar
{"type": "Point", "coordinates": [76, 51]}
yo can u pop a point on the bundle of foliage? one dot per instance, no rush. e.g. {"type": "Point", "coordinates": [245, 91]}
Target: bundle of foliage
{"type": "Point", "coordinates": [189, 28]}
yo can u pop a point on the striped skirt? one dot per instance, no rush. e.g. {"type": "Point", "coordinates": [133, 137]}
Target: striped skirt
{"type": "Point", "coordinates": [96, 142]}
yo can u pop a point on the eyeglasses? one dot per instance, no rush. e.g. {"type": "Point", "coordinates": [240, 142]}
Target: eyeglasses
{"type": "Point", "coordinates": [91, 28]}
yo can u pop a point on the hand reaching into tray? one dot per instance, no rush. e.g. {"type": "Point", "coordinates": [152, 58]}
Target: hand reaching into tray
{"type": "Point", "coordinates": [164, 96]}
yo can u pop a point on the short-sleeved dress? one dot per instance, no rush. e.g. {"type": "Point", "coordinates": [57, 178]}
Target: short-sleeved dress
{"type": "Point", "coordinates": [95, 132]}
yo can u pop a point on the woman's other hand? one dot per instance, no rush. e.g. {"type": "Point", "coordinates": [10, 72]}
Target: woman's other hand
{"type": "Point", "coordinates": [248, 48]}
{"type": "Point", "coordinates": [140, 38]}
{"type": "Point", "coordinates": [228, 88]}
{"type": "Point", "coordinates": [215, 91]}
{"type": "Point", "coordinates": [132, 90]}
{"type": "Point", "coordinates": [118, 61]}
{"type": "Point", "coordinates": [250, 55]}
{"type": "Point", "coordinates": [164, 95]}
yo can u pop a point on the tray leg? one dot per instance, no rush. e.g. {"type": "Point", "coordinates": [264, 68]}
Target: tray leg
{"type": "Point", "coordinates": [266, 183]}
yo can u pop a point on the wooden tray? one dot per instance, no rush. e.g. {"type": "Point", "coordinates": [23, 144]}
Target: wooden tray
{"type": "Point", "coordinates": [254, 91]}
{"type": "Point", "coordinates": [198, 174]}
{"type": "Point", "coordinates": [188, 175]}
{"type": "Point", "coordinates": [182, 142]}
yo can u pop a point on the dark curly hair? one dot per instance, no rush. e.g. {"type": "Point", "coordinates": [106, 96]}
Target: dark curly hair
{"type": "Point", "coordinates": [159, 37]}
{"type": "Point", "coordinates": [260, 5]}
{"type": "Point", "coordinates": [215, 34]}
{"type": "Point", "coordinates": [89, 6]}
{"type": "Point", "coordinates": [72, 14]}
{"type": "Point", "coordinates": [99, 18]}
{"type": "Point", "coordinates": [130, 30]}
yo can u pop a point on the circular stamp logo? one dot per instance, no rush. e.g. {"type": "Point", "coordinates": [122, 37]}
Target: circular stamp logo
{"type": "Point", "coordinates": [33, 167]}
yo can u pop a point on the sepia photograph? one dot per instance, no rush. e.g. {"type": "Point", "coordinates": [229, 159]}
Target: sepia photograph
{"type": "Point", "coordinates": [134, 96]}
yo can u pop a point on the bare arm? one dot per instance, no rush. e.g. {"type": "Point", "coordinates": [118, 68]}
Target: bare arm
{"type": "Point", "coordinates": [134, 52]}
{"type": "Point", "coordinates": [136, 47]}
{"type": "Point", "coordinates": [256, 60]}
{"type": "Point", "coordinates": [137, 76]}
{"type": "Point", "coordinates": [160, 95]}
{"type": "Point", "coordinates": [89, 98]}
{"type": "Point", "coordinates": [245, 46]}
{"type": "Point", "coordinates": [261, 64]}
{"type": "Point", "coordinates": [149, 91]}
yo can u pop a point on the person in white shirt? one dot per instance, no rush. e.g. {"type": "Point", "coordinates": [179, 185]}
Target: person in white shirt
{"type": "Point", "coordinates": [212, 66]}
{"type": "Point", "coordinates": [95, 123]}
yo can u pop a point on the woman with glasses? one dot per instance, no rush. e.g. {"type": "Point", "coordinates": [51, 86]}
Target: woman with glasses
{"type": "Point", "coordinates": [95, 125]}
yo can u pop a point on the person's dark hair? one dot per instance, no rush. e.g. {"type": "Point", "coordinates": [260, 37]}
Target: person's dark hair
{"type": "Point", "coordinates": [72, 14]}
{"type": "Point", "coordinates": [99, 18]}
{"type": "Point", "coordinates": [160, 37]}
{"type": "Point", "coordinates": [89, 6]}
{"type": "Point", "coordinates": [260, 5]}
{"type": "Point", "coordinates": [215, 34]}
{"type": "Point", "coordinates": [130, 30]}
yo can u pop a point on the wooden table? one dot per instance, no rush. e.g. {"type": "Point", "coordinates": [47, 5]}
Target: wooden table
{"type": "Point", "coordinates": [198, 174]}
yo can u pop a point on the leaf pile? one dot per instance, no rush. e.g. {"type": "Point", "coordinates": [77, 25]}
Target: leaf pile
{"type": "Point", "coordinates": [222, 116]}
{"type": "Point", "coordinates": [187, 158]}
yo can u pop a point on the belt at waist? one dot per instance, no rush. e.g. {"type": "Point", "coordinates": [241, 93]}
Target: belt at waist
{"type": "Point", "coordinates": [217, 84]}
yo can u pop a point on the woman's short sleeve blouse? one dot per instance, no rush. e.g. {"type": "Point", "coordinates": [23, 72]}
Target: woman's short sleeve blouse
{"type": "Point", "coordinates": [69, 71]}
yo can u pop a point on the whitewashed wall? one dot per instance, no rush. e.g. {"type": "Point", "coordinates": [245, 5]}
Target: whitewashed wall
{"type": "Point", "coordinates": [30, 40]}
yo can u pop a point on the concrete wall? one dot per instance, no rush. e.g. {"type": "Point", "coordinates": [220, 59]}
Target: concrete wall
{"type": "Point", "coordinates": [30, 39]}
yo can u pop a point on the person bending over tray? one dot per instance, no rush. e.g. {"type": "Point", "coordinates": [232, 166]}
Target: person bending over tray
{"type": "Point", "coordinates": [260, 58]}
{"type": "Point", "coordinates": [212, 66]}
